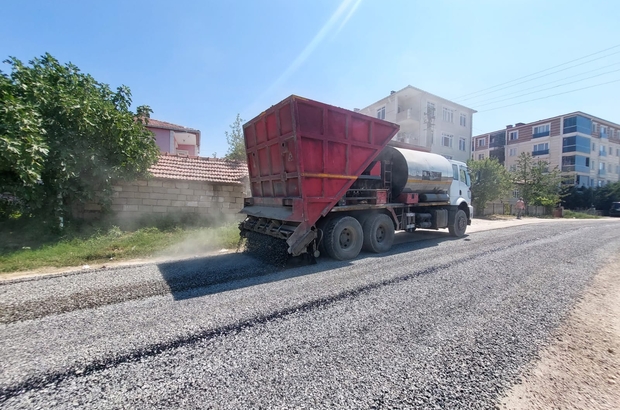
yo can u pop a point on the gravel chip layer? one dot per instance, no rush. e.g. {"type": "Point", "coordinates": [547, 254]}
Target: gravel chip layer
{"type": "Point", "coordinates": [436, 324]}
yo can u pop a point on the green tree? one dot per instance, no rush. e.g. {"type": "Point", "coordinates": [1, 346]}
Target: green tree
{"type": "Point", "coordinates": [491, 181]}
{"type": "Point", "coordinates": [236, 143]}
{"type": "Point", "coordinates": [65, 138]}
{"type": "Point", "coordinates": [605, 195]}
{"type": "Point", "coordinates": [578, 198]}
{"type": "Point", "coordinates": [538, 185]}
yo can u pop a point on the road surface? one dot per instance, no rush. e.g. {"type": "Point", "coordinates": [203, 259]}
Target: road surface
{"type": "Point", "coordinates": [435, 323]}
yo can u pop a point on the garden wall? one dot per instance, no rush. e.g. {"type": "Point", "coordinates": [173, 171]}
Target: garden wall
{"type": "Point", "coordinates": [162, 197]}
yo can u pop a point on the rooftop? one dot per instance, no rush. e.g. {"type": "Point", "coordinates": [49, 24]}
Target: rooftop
{"type": "Point", "coordinates": [153, 123]}
{"type": "Point", "coordinates": [418, 90]}
{"type": "Point", "coordinates": [199, 169]}
{"type": "Point", "coordinates": [570, 114]}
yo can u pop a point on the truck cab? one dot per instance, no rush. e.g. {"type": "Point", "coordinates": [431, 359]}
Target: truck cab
{"type": "Point", "coordinates": [460, 188]}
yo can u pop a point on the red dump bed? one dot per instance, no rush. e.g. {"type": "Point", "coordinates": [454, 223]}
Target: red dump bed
{"type": "Point", "coordinates": [303, 155]}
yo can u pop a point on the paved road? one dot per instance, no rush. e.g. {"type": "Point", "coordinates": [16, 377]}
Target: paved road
{"type": "Point", "coordinates": [436, 323]}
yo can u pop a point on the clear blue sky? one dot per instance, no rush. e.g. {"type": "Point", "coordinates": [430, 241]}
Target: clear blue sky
{"type": "Point", "coordinates": [199, 63]}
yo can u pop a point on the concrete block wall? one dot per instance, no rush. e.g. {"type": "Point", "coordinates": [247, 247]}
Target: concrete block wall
{"type": "Point", "coordinates": [508, 208]}
{"type": "Point", "coordinates": [161, 197]}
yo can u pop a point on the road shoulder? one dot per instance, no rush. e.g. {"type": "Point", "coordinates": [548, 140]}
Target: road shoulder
{"type": "Point", "coordinates": [580, 369]}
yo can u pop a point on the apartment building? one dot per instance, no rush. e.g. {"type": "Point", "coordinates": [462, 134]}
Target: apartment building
{"type": "Point", "coordinates": [427, 121]}
{"type": "Point", "coordinates": [585, 148]}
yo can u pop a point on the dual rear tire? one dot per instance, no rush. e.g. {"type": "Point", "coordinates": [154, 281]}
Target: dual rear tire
{"type": "Point", "coordinates": [344, 236]}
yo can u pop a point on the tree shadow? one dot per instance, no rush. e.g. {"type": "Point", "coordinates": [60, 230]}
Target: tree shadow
{"type": "Point", "coordinates": [199, 277]}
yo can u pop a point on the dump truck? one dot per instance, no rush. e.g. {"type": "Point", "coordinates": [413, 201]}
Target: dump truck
{"type": "Point", "coordinates": [327, 179]}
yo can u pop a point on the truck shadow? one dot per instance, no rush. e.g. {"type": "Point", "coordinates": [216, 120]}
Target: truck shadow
{"type": "Point", "coordinates": [199, 277]}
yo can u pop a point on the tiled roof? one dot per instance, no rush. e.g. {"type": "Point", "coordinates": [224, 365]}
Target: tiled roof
{"type": "Point", "coordinates": [199, 169]}
{"type": "Point", "coordinates": [168, 126]}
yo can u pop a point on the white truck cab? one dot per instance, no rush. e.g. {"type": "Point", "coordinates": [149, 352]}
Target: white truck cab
{"type": "Point", "coordinates": [460, 189]}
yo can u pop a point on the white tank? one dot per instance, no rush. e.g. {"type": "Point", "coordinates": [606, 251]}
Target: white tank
{"type": "Point", "coordinates": [417, 171]}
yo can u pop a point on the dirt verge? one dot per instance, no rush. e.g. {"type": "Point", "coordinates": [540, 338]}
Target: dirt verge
{"type": "Point", "coordinates": [581, 368]}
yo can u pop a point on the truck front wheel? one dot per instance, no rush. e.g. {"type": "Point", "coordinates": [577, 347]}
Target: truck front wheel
{"type": "Point", "coordinates": [343, 238]}
{"type": "Point", "coordinates": [458, 226]}
{"type": "Point", "coordinates": [378, 233]}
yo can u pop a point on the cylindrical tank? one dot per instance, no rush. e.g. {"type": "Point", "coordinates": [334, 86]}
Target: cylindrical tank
{"type": "Point", "coordinates": [417, 171]}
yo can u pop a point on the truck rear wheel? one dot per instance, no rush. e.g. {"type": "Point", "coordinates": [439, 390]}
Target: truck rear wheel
{"type": "Point", "coordinates": [459, 225]}
{"type": "Point", "coordinates": [378, 233]}
{"type": "Point", "coordinates": [343, 238]}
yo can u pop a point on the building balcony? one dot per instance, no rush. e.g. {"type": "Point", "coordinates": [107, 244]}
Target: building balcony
{"type": "Point", "coordinates": [408, 115]}
{"type": "Point", "coordinates": [575, 168]}
{"type": "Point", "coordinates": [540, 152]}
{"type": "Point", "coordinates": [541, 134]}
{"type": "Point", "coordinates": [568, 168]}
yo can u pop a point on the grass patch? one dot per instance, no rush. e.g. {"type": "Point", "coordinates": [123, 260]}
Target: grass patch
{"type": "Point", "coordinates": [579, 215]}
{"type": "Point", "coordinates": [21, 251]}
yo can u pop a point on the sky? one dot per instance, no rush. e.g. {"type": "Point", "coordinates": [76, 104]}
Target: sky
{"type": "Point", "coordinates": [200, 63]}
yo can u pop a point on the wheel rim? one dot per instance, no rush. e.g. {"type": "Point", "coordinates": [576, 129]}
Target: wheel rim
{"type": "Point", "coordinates": [462, 223]}
{"type": "Point", "coordinates": [380, 235]}
{"type": "Point", "coordinates": [346, 238]}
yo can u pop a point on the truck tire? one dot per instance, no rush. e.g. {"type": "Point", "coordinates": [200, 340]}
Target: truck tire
{"type": "Point", "coordinates": [378, 233]}
{"type": "Point", "coordinates": [458, 226]}
{"type": "Point", "coordinates": [343, 238]}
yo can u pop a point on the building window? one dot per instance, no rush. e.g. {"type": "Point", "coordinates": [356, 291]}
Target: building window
{"type": "Point", "coordinates": [448, 115]}
{"type": "Point", "coordinates": [482, 142]}
{"type": "Point", "coordinates": [512, 152]}
{"type": "Point", "coordinates": [577, 124]}
{"type": "Point", "coordinates": [463, 120]}
{"type": "Point", "coordinates": [611, 151]}
{"type": "Point", "coordinates": [513, 168]}
{"type": "Point", "coordinates": [576, 143]}
{"type": "Point", "coordinates": [603, 132]}
{"type": "Point", "coordinates": [462, 144]}
{"type": "Point", "coordinates": [575, 163]}
{"type": "Point", "coordinates": [381, 113]}
{"type": "Point", "coordinates": [541, 149]}
{"type": "Point", "coordinates": [541, 131]}
{"type": "Point", "coordinates": [593, 147]}
{"type": "Point", "coordinates": [446, 140]}
{"type": "Point", "coordinates": [513, 135]}
{"type": "Point", "coordinates": [480, 156]}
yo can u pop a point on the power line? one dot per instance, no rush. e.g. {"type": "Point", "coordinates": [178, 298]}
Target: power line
{"type": "Point", "coordinates": [538, 72]}
{"type": "Point", "coordinates": [549, 88]}
{"type": "Point", "coordinates": [549, 96]}
{"type": "Point", "coordinates": [544, 75]}
{"type": "Point", "coordinates": [550, 82]}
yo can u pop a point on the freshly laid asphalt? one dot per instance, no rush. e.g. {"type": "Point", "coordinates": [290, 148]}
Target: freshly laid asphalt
{"type": "Point", "coordinates": [435, 323]}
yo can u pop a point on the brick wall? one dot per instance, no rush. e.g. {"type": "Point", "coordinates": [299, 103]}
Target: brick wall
{"type": "Point", "coordinates": [163, 197]}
